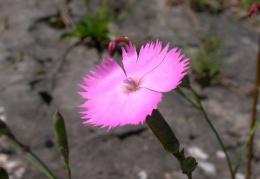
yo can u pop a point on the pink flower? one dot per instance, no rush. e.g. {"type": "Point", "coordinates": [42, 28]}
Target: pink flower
{"type": "Point", "coordinates": [116, 97]}
{"type": "Point", "coordinates": [252, 9]}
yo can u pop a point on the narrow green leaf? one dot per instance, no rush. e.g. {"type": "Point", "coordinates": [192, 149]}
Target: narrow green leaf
{"type": "Point", "coordinates": [245, 146]}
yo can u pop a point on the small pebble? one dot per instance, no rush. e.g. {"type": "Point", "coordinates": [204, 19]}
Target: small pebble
{"type": "Point", "coordinates": [19, 173]}
{"type": "Point", "coordinates": [240, 176]}
{"type": "Point", "coordinates": [220, 154]}
{"type": "Point", "coordinates": [167, 176]}
{"type": "Point", "coordinates": [3, 117]}
{"type": "Point", "coordinates": [11, 164]}
{"type": "Point", "coordinates": [196, 152]}
{"type": "Point", "coordinates": [207, 167]}
{"type": "Point", "coordinates": [3, 158]}
{"type": "Point", "coordinates": [142, 175]}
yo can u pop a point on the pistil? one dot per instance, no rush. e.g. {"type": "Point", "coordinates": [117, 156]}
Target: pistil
{"type": "Point", "coordinates": [131, 84]}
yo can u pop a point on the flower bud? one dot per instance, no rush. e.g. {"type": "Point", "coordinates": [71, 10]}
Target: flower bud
{"type": "Point", "coordinates": [112, 45]}
{"type": "Point", "coordinates": [188, 165]}
{"type": "Point", "coordinates": [163, 132]}
{"type": "Point", "coordinates": [60, 132]}
{"type": "Point", "coordinates": [252, 9]}
{"type": "Point", "coordinates": [112, 48]}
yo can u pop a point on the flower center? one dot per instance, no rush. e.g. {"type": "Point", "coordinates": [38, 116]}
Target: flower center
{"type": "Point", "coordinates": [132, 85]}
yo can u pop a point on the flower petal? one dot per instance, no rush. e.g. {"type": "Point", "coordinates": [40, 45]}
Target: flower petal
{"type": "Point", "coordinates": [149, 57]}
{"type": "Point", "coordinates": [129, 58]}
{"type": "Point", "coordinates": [105, 79]}
{"type": "Point", "coordinates": [118, 109]}
{"type": "Point", "coordinates": [137, 106]}
{"type": "Point", "coordinates": [102, 84]}
{"type": "Point", "coordinates": [167, 75]}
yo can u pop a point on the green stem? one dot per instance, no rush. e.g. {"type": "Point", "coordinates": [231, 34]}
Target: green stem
{"type": "Point", "coordinates": [68, 170]}
{"type": "Point", "coordinates": [31, 161]}
{"type": "Point", "coordinates": [179, 91]}
{"type": "Point", "coordinates": [204, 114]}
{"type": "Point", "coordinates": [42, 167]}
{"type": "Point", "coordinates": [200, 108]}
{"type": "Point", "coordinates": [245, 145]}
{"type": "Point", "coordinates": [189, 176]}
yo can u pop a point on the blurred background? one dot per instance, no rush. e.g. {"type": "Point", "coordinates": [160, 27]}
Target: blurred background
{"type": "Point", "coordinates": [47, 46]}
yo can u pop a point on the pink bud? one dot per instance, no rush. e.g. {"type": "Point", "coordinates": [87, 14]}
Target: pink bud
{"type": "Point", "coordinates": [111, 48]}
{"type": "Point", "coordinates": [112, 45]}
{"type": "Point", "coordinates": [252, 9]}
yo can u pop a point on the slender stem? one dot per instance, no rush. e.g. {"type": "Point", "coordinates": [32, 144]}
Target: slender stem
{"type": "Point", "coordinates": [42, 166]}
{"type": "Point", "coordinates": [200, 108]}
{"type": "Point", "coordinates": [245, 145]}
{"type": "Point", "coordinates": [204, 114]}
{"type": "Point", "coordinates": [189, 176]}
{"type": "Point", "coordinates": [68, 170]}
{"type": "Point", "coordinates": [31, 161]}
{"type": "Point", "coordinates": [220, 141]}
{"type": "Point", "coordinates": [179, 91]}
{"type": "Point", "coordinates": [254, 111]}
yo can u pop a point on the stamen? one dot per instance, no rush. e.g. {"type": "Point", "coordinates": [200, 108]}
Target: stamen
{"type": "Point", "coordinates": [129, 81]}
{"type": "Point", "coordinates": [132, 85]}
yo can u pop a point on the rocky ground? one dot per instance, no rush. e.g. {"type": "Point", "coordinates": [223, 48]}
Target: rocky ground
{"type": "Point", "coordinates": [128, 152]}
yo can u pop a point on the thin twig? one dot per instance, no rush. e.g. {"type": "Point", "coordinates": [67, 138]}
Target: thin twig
{"type": "Point", "coordinates": [66, 18]}
{"type": "Point", "coordinates": [61, 62]}
{"type": "Point", "coordinates": [254, 111]}
{"type": "Point", "coordinates": [193, 17]}
{"type": "Point", "coordinates": [66, 15]}
{"type": "Point", "coordinates": [69, 7]}
{"type": "Point", "coordinates": [245, 91]}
